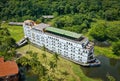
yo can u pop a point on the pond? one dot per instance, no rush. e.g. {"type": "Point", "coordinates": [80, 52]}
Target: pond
{"type": "Point", "coordinates": [26, 75]}
{"type": "Point", "coordinates": [108, 66]}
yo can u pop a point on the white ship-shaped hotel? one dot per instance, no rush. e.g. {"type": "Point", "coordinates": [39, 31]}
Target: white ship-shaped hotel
{"type": "Point", "coordinates": [72, 46]}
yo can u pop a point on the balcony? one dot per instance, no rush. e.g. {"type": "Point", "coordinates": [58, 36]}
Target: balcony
{"type": "Point", "coordinates": [89, 46]}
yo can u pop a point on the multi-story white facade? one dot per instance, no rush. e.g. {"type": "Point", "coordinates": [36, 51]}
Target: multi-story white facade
{"type": "Point", "coordinates": [69, 45]}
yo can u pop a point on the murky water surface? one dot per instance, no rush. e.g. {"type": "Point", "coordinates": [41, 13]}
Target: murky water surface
{"type": "Point", "coordinates": [108, 66]}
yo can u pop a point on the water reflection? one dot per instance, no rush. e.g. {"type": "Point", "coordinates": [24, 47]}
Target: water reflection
{"type": "Point", "coordinates": [110, 66]}
{"type": "Point", "coordinates": [113, 62]}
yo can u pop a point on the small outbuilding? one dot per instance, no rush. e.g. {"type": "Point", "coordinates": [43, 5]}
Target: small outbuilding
{"type": "Point", "coordinates": [48, 16]}
{"type": "Point", "coordinates": [8, 70]}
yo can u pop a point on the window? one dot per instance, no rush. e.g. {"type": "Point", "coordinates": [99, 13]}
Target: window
{"type": "Point", "coordinates": [33, 35]}
{"type": "Point", "coordinates": [80, 60]}
{"type": "Point", "coordinates": [69, 43]}
{"type": "Point", "coordinates": [83, 51]}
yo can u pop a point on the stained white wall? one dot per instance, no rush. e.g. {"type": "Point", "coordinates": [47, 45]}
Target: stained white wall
{"type": "Point", "coordinates": [66, 48]}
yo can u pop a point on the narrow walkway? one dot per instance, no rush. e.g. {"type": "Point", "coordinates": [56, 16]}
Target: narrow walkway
{"type": "Point", "coordinates": [22, 42]}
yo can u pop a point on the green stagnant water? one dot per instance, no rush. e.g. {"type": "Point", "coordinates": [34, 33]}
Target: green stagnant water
{"type": "Point", "coordinates": [108, 66]}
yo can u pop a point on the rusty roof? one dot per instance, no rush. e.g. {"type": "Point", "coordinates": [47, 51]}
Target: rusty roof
{"type": "Point", "coordinates": [1, 59]}
{"type": "Point", "coordinates": [8, 68]}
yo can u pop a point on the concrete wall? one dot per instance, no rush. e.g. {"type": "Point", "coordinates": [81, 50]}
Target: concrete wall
{"type": "Point", "coordinates": [63, 47]}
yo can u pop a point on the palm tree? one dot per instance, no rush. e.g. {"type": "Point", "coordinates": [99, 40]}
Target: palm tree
{"type": "Point", "coordinates": [23, 61]}
{"type": "Point", "coordinates": [44, 48]}
{"type": "Point", "coordinates": [36, 65]}
{"type": "Point", "coordinates": [44, 54]}
{"type": "Point", "coordinates": [44, 57]}
{"type": "Point", "coordinates": [52, 65]}
{"type": "Point", "coordinates": [55, 57]}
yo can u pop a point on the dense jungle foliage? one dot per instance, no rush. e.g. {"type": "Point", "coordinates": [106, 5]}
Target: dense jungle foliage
{"type": "Point", "coordinates": [24, 9]}
{"type": "Point", "coordinates": [97, 18]}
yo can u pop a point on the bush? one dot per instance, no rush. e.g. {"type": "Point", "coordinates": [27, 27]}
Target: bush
{"type": "Point", "coordinates": [116, 48]}
{"type": "Point", "coordinates": [99, 32]}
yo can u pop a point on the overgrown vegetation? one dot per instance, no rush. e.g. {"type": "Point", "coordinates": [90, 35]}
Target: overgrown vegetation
{"type": "Point", "coordinates": [7, 44]}
{"type": "Point", "coordinates": [116, 48]}
{"type": "Point", "coordinates": [65, 70]}
{"type": "Point", "coordinates": [74, 15]}
{"type": "Point", "coordinates": [110, 78]}
{"type": "Point", "coordinates": [45, 71]}
{"type": "Point", "coordinates": [21, 10]}
{"type": "Point", "coordinates": [16, 32]}
{"type": "Point", "coordinates": [97, 19]}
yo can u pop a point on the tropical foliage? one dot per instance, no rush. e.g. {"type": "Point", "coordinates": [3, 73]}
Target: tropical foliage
{"type": "Point", "coordinates": [116, 48]}
{"type": "Point", "coordinates": [33, 9]}
{"type": "Point", "coordinates": [45, 71]}
{"type": "Point", "coordinates": [7, 44]}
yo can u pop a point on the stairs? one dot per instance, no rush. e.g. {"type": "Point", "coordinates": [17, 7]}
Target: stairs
{"type": "Point", "coordinates": [22, 42]}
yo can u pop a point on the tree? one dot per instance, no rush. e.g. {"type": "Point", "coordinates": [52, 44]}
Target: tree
{"type": "Point", "coordinates": [34, 64]}
{"type": "Point", "coordinates": [111, 14]}
{"type": "Point", "coordinates": [52, 70]}
{"type": "Point", "coordinates": [44, 54]}
{"type": "Point", "coordinates": [110, 78]}
{"type": "Point", "coordinates": [23, 61]}
{"type": "Point", "coordinates": [113, 32]}
{"type": "Point", "coordinates": [7, 44]}
{"type": "Point", "coordinates": [44, 57]}
{"type": "Point", "coordinates": [52, 65]}
{"type": "Point", "coordinates": [116, 48]}
{"type": "Point", "coordinates": [33, 9]}
{"type": "Point", "coordinates": [99, 32]}
{"type": "Point", "coordinates": [55, 57]}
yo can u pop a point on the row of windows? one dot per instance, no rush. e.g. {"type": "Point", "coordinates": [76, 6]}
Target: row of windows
{"type": "Point", "coordinates": [69, 43]}
{"type": "Point", "coordinates": [59, 44]}
{"type": "Point", "coordinates": [73, 57]}
{"type": "Point", "coordinates": [60, 51]}
{"type": "Point", "coordinates": [53, 38]}
{"type": "Point", "coordinates": [65, 48]}
{"type": "Point", "coordinates": [54, 41]}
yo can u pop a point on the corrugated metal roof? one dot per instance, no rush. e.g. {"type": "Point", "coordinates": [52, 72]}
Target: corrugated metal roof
{"type": "Point", "coordinates": [63, 32]}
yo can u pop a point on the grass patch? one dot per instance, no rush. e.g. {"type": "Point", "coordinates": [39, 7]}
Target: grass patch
{"type": "Point", "coordinates": [106, 51]}
{"type": "Point", "coordinates": [15, 31]}
{"type": "Point", "coordinates": [74, 71]}
{"type": "Point", "coordinates": [77, 70]}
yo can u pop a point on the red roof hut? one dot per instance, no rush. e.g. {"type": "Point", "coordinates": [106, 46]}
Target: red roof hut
{"type": "Point", "coordinates": [8, 70]}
